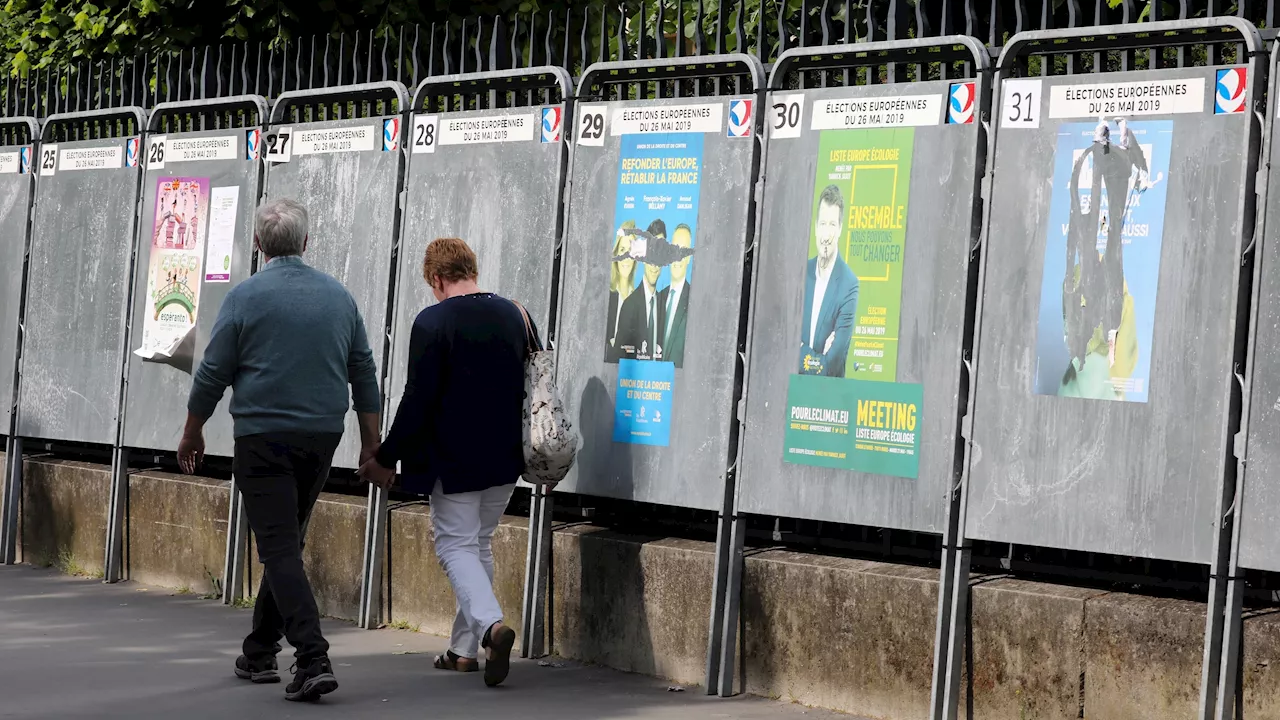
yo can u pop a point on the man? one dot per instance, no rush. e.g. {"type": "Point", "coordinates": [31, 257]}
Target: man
{"type": "Point", "coordinates": [675, 300]}
{"type": "Point", "coordinates": [643, 315]}
{"type": "Point", "coordinates": [830, 295]}
{"type": "Point", "coordinates": [288, 340]}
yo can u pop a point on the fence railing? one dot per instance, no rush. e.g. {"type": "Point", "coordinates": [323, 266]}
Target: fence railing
{"type": "Point", "coordinates": [596, 32]}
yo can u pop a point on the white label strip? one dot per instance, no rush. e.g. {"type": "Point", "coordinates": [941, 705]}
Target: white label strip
{"type": "Point", "coordinates": [591, 122]}
{"type": "Point", "coordinates": [703, 118]}
{"type": "Point", "coordinates": [99, 158]}
{"type": "Point", "coordinates": [896, 111]}
{"type": "Point", "coordinates": [1145, 97]}
{"type": "Point", "coordinates": [359, 138]}
{"type": "Point", "coordinates": [786, 116]}
{"type": "Point", "coordinates": [223, 147]}
{"type": "Point", "coordinates": [426, 134]}
{"type": "Point", "coordinates": [10, 162]}
{"type": "Point", "coordinates": [491, 129]}
{"type": "Point", "coordinates": [48, 160]}
{"type": "Point", "coordinates": [1020, 107]}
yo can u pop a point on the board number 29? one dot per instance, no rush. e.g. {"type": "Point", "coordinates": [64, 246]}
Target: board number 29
{"type": "Point", "coordinates": [1021, 105]}
{"type": "Point", "coordinates": [591, 126]}
{"type": "Point", "coordinates": [786, 114]}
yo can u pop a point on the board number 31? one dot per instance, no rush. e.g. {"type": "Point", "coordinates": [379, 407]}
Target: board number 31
{"type": "Point", "coordinates": [1021, 105]}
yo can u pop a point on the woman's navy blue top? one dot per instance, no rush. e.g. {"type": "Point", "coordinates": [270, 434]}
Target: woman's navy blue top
{"type": "Point", "coordinates": [460, 420]}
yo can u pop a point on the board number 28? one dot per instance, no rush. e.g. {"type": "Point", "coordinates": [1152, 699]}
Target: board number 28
{"type": "Point", "coordinates": [1021, 106]}
{"type": "Point", "coordinates": [426, 133]}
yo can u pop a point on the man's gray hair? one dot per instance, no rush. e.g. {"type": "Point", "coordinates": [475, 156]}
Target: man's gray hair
{"type": "Point", "coordinates": [281, 227]}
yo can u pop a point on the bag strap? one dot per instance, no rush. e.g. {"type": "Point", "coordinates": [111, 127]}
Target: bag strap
{"type": "Point", "coordinates": [528, 328]}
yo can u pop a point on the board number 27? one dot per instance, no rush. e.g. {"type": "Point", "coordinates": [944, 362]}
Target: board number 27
{"type": "Point", "coordinates": [1021, 104]}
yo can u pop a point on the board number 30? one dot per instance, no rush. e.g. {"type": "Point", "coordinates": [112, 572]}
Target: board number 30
{"type": "Point", "coordinates": [1021, 105]}
{"type": "Point", "coordinates": [786, 115]}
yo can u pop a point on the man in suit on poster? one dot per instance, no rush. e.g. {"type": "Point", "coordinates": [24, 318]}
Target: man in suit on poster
{"type": "Point", "coordinates": [675, 300]}
{"type": "Point", "coordinates": [643, 315]}
{"type": "Point", "coordinates": [830, 295]}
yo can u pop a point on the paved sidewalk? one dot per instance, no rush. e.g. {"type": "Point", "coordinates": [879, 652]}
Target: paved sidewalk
{"type": "Point", "coordinates": [75, 648]}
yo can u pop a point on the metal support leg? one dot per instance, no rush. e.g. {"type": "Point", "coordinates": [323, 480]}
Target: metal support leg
{"type": "Point", "coordinates": [12, 487]}
{"type": "Point", "coordinates": [957, 623]}
{"type": "Point", "coordinates": [375, 537]}
{"type": "Point", "coordinates": [734, 567]}
{"type": "Point", "coordinates": [942, 631]}
{"type": "Point", "coordinates": [113, 564]}
{"type": "Point", "coordinates": [1223, 706]}
{"type": "Point", "coordinates": [715, 632]}
{"type": "Point", "coordinates": [1210, 667]}
{"type": "Point", "coordinates": [537, 571]}
{"type": "Point", "coordinates": [237, 542]}
{"type": "Point", "coordinates": [1232, 641]}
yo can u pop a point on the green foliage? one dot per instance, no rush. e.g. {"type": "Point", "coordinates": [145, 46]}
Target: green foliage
{"type": "Point", "coordinates": [52, 33]}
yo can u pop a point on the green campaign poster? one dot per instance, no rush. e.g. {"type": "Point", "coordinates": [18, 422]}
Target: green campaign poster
{"type": "Point", "coordinates": [872, 427]}
{"type": "Point", "coordinates": [853, 280]}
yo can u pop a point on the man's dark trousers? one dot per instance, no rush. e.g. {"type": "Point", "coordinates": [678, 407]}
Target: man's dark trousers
{"type": "Point", "coordinates": [280, 476]}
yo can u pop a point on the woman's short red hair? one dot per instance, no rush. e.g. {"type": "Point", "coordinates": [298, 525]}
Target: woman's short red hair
{"type": "Point", "coordinates": [450, 259]}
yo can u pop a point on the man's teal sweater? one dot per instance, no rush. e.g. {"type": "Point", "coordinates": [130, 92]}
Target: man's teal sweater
{"type": "Point", "coordinates": [288, 341]}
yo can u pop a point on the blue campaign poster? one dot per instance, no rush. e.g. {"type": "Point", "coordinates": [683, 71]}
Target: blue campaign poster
{"type": "Point", "coordinates": [643, 409]}
{"type": "Point", "coordinates": [652, 247]}
{"type": "Point", "coordinates": [1102, 260]}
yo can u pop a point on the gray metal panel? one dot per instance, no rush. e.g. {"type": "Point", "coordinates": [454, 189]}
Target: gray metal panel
{"type": "Point", "coordinates": [1260, 471]}
{"type": "Point", "coordinates": [690, 472]}
{"type": "Point", "coordinates": [78, 282]}
{"type": "Point", "coordinates": [1127, 478]}
{"type": "Point", "coordinates": [156, 401]}
{"type": "Point", "coordinates": [351, 198]}
{"type": "Point", "coordinates": [943, 181]}
{"type": "Point", "coordinates": [503, 200]}
{"type": "Point", "coordinates": [15, 204]}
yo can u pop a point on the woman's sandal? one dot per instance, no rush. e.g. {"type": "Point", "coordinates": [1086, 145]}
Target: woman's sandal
{"type": "Point", "coordinates": [456, 663]}
{"type": "Point", "coordinates": [498, 640]}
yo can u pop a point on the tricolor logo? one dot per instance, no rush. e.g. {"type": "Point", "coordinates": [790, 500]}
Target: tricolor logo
{"type": "Point", "coordinates": [552, 120]}
{"type": "Point", "coordinates": [24, 160]}
{"type": "Point", "coordinates": [131, 152]}
{"type": "Point", "coordinates": [739, 118]}
{"type": "Point", "coordinates": [252, 144]}
{"type": "Point", "coordinates": [960, 109]}
{"type": "Point", "coordinates": [391, 134]}
{"type": "Point", "coordinates": [1232, 91]}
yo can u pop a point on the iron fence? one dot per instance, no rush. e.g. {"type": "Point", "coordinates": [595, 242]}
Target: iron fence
{"type": "Point", "coordinates": [599, 32]}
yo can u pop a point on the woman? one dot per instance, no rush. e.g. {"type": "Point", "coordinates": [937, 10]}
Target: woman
{"type": "Point", "coordinates": [458, 435]}
{"type": "Point", "coordinates": [622, 281]}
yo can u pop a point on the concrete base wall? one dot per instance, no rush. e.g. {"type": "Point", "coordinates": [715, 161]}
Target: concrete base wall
{"type": "Point", "coordinates": [852, 635]}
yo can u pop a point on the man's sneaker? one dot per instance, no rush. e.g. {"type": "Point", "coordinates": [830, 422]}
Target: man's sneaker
{"type": "Point", "coordinates": [312, 681]}
{"type": "Point", "coordinates": [259, 671]}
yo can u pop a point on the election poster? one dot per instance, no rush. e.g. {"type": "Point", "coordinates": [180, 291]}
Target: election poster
{"type": "Point", "coordinates": [846, 408]}
{"type": "Point", "coordinates": [853, 279]}
{"type": "Point", "coordinates": [176, 263]}
{"type": "Point", "coordinates": [1102, 260]}
{"type": "Point", "coordinates": [850, 424]}
{"type": "Point", "coordinates": [650, 257]}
